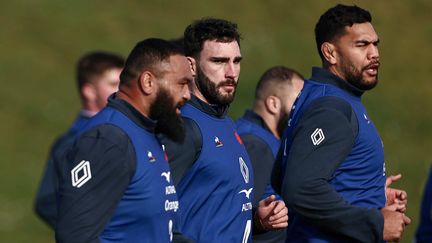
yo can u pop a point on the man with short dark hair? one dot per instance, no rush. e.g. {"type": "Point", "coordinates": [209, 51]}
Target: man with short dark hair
{"type": "Point", "coordinates": [98, 76]}
{"type": "Point", "coordinates": [114, 182]}
{"type": "Point", "coordinates": [211, 168]}
{"type": "Point", "coordinates": [331, 169]}
{"type": "Point", "coordinates": [261, 128]}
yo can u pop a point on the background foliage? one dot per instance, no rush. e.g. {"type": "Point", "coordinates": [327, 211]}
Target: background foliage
{"type": "Point", "coordinates": [41, 40]}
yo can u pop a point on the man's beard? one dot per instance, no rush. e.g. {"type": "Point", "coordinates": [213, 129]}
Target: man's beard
{"type": "Point", "coordinates": [355, 76]}
{"type": "Point", "coordinates": [210, 90]}
{"type": "Point", "coordinates": [168, 122]}
{"type": "Point", "coordinates": [282, 122]}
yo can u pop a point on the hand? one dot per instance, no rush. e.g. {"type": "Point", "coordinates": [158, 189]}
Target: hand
{"type": "Point", "coordinates": [394, 224]}
{"type": "Point", "coordinates": [396, 196]}
{"type": "Point", "coordinates": [271, 214]}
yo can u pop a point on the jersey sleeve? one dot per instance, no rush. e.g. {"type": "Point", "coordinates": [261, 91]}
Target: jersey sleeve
{"type": "Point", "coordinates": [262, 160]}
{"type": "Point", "coordinates": [182, 155]}
{"type": "Point", "coordinates": [93, 175]}
{"type": "Point", "coordinates": [312, 161]}
{"type": "Point", "coordinates": [45, 201]}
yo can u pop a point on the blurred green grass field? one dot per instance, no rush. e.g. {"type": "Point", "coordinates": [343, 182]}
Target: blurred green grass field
{"type": "Point", "coordinates": [41, 40]}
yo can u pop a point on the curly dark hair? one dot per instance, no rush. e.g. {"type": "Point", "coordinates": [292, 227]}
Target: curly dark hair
{"type": "Point", "coordinates": [333, 22]}
{"type": "Point", "coordinates": [208, 29]}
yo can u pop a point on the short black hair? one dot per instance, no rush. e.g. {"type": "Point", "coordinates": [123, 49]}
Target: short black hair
{"type": "Point", "coordinates": [208, 29]}
{"type": "Point", "coordinates": [146, 55]}
{"type": "Point", "coordinates": [94, 64]}
{"type": "Point", "coordinates": [333, 22]}
{"type": "Point", "coordinates": [179, 43]}
{"type": "Point", "coordinates": [272, 77]}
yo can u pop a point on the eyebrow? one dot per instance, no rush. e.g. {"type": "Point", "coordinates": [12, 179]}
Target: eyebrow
{"type": "Point", "coordinates": [367, 42]}
{"type": "Point", "coordinates": [219, 59]}
{"type": "Point", "coordinates": [225, 59]}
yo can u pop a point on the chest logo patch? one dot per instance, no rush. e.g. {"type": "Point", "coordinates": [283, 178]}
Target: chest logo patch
{"type": "Point", "coordinates": [166, 175]}
{"type": "Point", "coordinates": [218, 142]}
{"type": "Point", "coordinates": [317, 136]}
{"type": "Point", "coordinates": [151, 157]}
{"type": "Point", "coordinates": [246, 192]}
{"type": "Point", "coordinates": [81, 174]}
{"type": "Point", "coordinates": [244, 170]}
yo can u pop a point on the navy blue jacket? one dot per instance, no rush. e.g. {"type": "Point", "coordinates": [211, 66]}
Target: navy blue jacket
{"type": "Point", "coordinates": [114, 182]}
{"type": "Point", "coordinates": [331, 169]}
{"type": "Point", "coordinates": [46, 201]}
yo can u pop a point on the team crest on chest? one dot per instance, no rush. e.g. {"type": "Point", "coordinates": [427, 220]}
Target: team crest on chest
{"type": "Point", "coordinates": [244, 170]}
{"type": "Point", "coordinates": [218, 142]}
{"type": "Point", "coordinates": [151, 157]}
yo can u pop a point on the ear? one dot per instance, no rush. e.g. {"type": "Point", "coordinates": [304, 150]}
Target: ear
{"type": "Point", "coordinates": [329, 52]}
{"type": "Point", "coordinates": [88, 92]}
{"type": "Point", "coordinates": [147, 82]}
{"type": "Point", "coordinates": [192, 64]}
{"type": "Point", "coordinates": [272, 104]}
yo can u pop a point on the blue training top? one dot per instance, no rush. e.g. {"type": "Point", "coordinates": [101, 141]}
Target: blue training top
{"type": "Point", "coordinates": [216, 192]}
{"type": "Point", "coordinates": [147, 210]}
{"type": "Point", "coordinates": [359, 179]}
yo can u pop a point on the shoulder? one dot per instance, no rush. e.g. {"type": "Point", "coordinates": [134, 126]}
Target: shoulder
{"type": "Point", "coordinates": [253, 141]}
{"type": "Point", "coordinates": [330, 109]}
{"type": "Point", "coordinates": [108, 134]}
{"type": "Point", "coordinates": [332, 104]}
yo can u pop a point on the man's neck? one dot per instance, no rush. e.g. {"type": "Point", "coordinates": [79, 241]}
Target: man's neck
{"type": "Point", "coordinates": [131, 98]}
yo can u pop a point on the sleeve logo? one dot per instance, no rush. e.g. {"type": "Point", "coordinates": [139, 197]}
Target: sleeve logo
{"type": "Point", "coordinates": [81, 174]}
{"type": "Point", "coordinates": [317, 136]}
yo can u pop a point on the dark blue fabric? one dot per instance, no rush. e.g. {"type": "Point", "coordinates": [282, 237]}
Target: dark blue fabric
{"type": "Point", "coordinates": [216, 192]}
{"type": "Point", "coordinates": [424, 230]}
{"type": "Point", "coordinates": [258, 139]}
{"type": "Point", "coordinates": [129, 195]}
{"type": "Point", "coordinates": [46, 201]}
{"type": "Point", "coordinates": [360, 177]}
{"type": "Point", "coordinates": [245, 126]}
{"type": "Point", "coordinates": [146, 212]}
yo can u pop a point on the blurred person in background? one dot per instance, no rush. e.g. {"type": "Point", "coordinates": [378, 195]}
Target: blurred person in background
{"type": "Point", "coordinates": [261, 129]}
{"type": "Point", "coordinates": [98, 76]}
{"type": "Point", "coordinates": [115, 184]}
{"type": "Point", "coordinates": [330, 170]}
{"type": "Point", "coordinates": [424, 230]}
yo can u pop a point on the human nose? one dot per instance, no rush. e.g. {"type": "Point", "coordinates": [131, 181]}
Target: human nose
{"type": "Point", "coordinates": [232, 70]}
{"type": "Point", "coordinates": [373, 52]}
{"type": "Point", "coordinates": [186, 93]}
